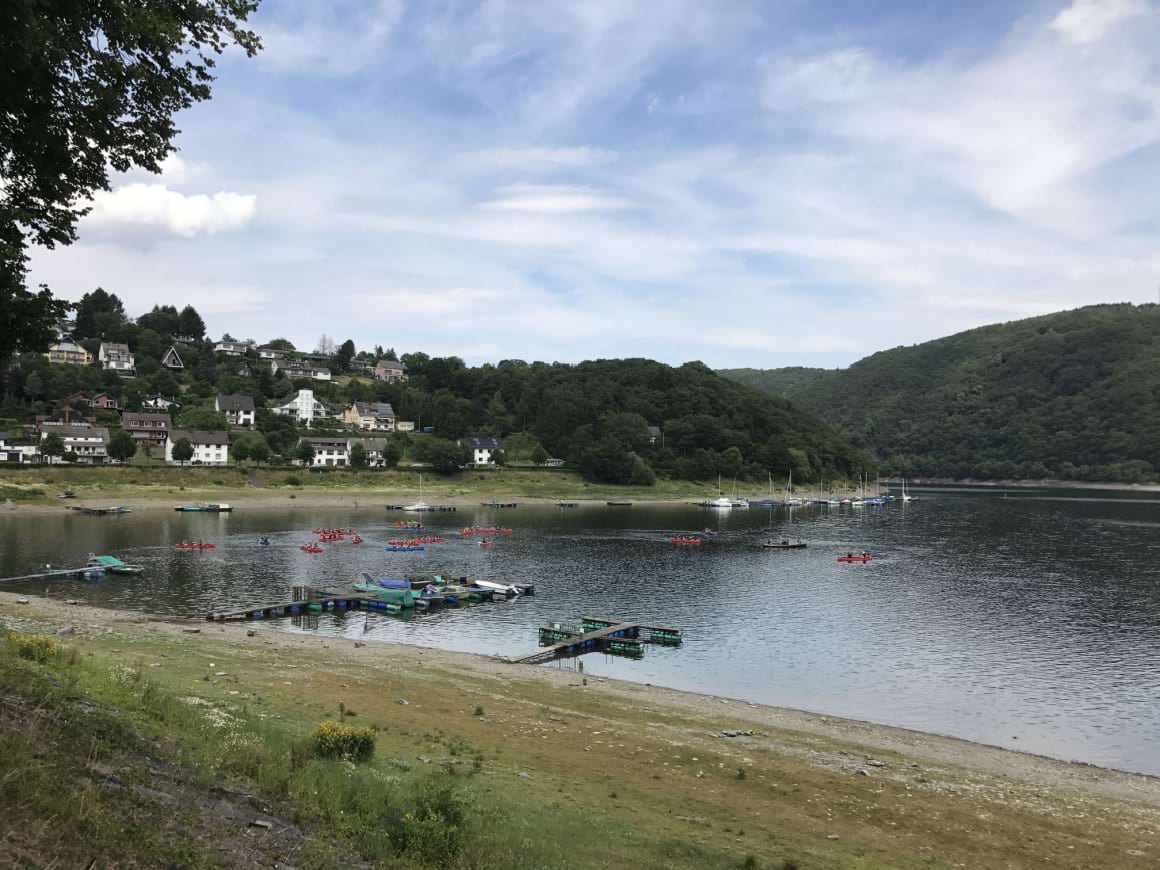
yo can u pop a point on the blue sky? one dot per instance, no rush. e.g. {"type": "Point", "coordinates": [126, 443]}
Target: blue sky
{"type": "Point", "coordinates": [771, 183]}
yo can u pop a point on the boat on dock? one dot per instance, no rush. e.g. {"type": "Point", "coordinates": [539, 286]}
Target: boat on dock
{"type": "Point", "coordinates": [394, 548]}
{"type": "Point", "coordinates": [99, 511]}
{"type": "Point", "coordinates": [686, 540]}
{"type": "Point", "coordinates": [567, 504]}
{"type": "Point", "coordinates": [113, 565]}
{"type": "Point", "coordinates": [204, 508]}
{"type": "Point", "coordinates": [498, 504]}
{"type": "Point", "coordinates": [618, 503]}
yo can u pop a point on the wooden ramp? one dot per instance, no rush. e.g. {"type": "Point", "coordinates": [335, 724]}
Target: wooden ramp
{"type": "Point", "coordinates": [577, 643]}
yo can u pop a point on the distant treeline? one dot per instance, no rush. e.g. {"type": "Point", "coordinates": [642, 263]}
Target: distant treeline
{"type": "Point", "coordinates": [1073, 395]}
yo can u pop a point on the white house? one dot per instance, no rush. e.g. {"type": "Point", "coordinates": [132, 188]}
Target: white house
{"type": "Point", "coordinates": [482, 450]}
{"type": "Point", "coordinates": [231, 348]}
{"type": "Point", "coordinates": [172, 360]}
{"type": "Point", "coordinates": [268, 353]}
{"type": "Point", "coordinates": [116, 357]}
{"type": "Point", "coordinates": [21, 454]}
{"type": "Point", "coordinates": [239, 410]}
{"type": "Point", "coordinates": [304, 408]}
{"type": "Point", "coordinates": [89, 443]}
{"type": "Point", "coordinates": [335, 452]}
{"type": "Point", "coordinates": [209, 448]}
{"type": "Point", "coordinates": [159, 403]}
{"type": "Point", "coordinates": [390, 371]}
{"type": "Point", "coordinates": [295, 370]}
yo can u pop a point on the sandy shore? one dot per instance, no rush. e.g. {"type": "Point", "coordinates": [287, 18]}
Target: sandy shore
{"type": "Point", "coordinates": [775, 729]}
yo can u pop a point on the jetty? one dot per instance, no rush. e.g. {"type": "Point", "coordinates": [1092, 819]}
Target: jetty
{"type": "Point", "coordinates": [97, 511]}
{"type": "Point", "coordinates": [607, 635]}
{"type": "Point", "coordinates": [56, 572]}
{"type": "Point", "coordinates": [426, 509]}
{"type": "Point", "coordinates": [498, 504]}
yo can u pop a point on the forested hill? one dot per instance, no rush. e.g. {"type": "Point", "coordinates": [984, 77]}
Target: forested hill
{"type": "Point", "coordinates": [784, 383]}
{"type": "Point", "coordinates": [1073, 395]}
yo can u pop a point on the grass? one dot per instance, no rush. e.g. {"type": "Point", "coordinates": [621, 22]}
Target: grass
{"type": "Point", "coordinates": [553, 776]}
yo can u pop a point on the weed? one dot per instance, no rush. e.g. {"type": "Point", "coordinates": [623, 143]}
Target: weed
{"type": "Point", "coordinates": [478, 710]}
{"type": "Point", "coordinates": [787, 864]}
{"type": "Point", "coordinates": [741, 774]}
{"type": "Point", "coordinates": [36, 647]}
{"type": "Point", "coordinates": [293, 480]}
{"type": "Point", "coordinates": [338, 740]}
{"type": "Point", "coordinates": [750, 863]}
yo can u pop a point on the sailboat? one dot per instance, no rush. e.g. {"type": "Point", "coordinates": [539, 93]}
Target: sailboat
{"type": "Point", "coordinates": [860, 501]}
{"type": "Point", "coordinates": [721, 501]}
{"type": "Point", "coordinates": [735, 501]}
{"type": "Point", "coordinates": [420, 505]}
{"type": "Point", "coordinates": [787, 501]}
{"type": "Point", "coordinates": [906, 496]}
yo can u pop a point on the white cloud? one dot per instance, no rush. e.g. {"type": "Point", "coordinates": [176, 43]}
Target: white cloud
{"type": "Point", "coordinates": [580, 156]}
{"type": "Point", "coordinates": [553, 199]}
{"type": "Point", "coordinates": [338, 36]}
{"type": "Point", "coordinates": [1086, 21]}
{"type": "Point", "coordinates": [155, 205]}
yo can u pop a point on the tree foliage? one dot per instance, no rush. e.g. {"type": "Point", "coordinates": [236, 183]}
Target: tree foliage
{"type": "Point", "coordinates": [182, 450]}
{"type": "Point", "coordinates": [1073, 395]}
{"type": "Point", "coordinates": [121, 446]}
{"type": "Point", "coordinates": [358, 455]}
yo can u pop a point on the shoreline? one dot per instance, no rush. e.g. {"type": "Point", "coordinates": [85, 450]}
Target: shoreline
{"type": "Point", "coordinates": [926, 747]}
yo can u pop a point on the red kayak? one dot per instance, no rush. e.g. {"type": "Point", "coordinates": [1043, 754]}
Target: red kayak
{"type": "Point", "coordinates": [193, 547]}
{"type": "Point", "coordinates": [866, 558]}
{"type": "Point", "coordinates": [311, 548]}
{"type": "Point", "coordinates": [689, 542]}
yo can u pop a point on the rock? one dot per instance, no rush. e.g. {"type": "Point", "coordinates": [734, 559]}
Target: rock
{"type": "Point", "coordinates": [453, 762]}
{"type": "Point", "coordinates": [402, 701]}
{"type": "Point", "coordinates": [220, 674]}
{"type": "Point", "coordinates": [72, 601]}
{"type": "Point", "coordinates": [874, 762]}
{"type": "Point", "coordinates": [22, 601]}
{"type": "Point", "coordinates": [523, 774]}
{"type": "Point", "coordinates": [192, 630]}
{"type": "Point", "coordinates": [68, 630]}
{"type": "Point", "coordinates": [251, 633]}
{"type": "Point", "coordinates": [861, 771]}
{"type": "Point", "coordinates": [261, 823]}
{"type": "Point", "coordinates": [423, 759]}
{"type": "Point", "coordinates": [359, 643]}
{"type": "Point", "coordinates": [832, 837]}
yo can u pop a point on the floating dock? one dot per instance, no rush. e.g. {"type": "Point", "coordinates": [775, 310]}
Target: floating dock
{"type": "Point", "coordinates": [56, 572]}
{"type": "Point", "coordinates": [430, 509]}
{"type": "Point", "coordinates": [498, 504]}
{"type": "Point", "coordinates": [606, 635]}
{"type": "Point", "coordinates": [97, 512]}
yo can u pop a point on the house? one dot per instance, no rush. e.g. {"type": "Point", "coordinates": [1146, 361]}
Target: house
{"type": "Point", "coordinates": [269, 353]}
{"type": "Point", "coordinates": [79, 400]}
{"type": "Point", "coordinates": [159, 403]}
{"type": "Point", "coordinates": [117, 358]}
{"type": "Point", "coordinates": [300, 371]}
{"type": "Point", "coordinates": [553, 463]}
{"type": "Point", "coordinates": [65, 328]}
{"type": "Point", "coordinates": [335, 452]}
{"type": "Point", "coordinates": [65, 416]}
{"type": "Point", "coordinates": [244, 370]}
{"type": "Point", "coordinates": [209, 448]}
{"type": "Point", "coordinates": [19, 453]}
{"type": "Point", "coordinates": [304, 408]}
{"type": "Point", "coordinates": [105, 402]}
{"type": "Point", "coordinates": [655, 435]}
{"type": "Point", "coordinates": [239, 410]}
{"type": "Point", "coordinates": [89, 443]}
{"type": "Point", "coordinates": [482, 450]}
{"type": "Point", "coordinates": [172, 360]}
{"type": "Point", "coordinates": [391, 371]}
{"type": "Point", "coordinates": [404, 425]}
{"type": "Point", "coordinates": [67, 352]}
{"type": "Point", "coordinates": [370, 416]}
{"type": "Point", "coordinates": [153, 429]}
{"type": "Point", "coordinates": [231, 348]}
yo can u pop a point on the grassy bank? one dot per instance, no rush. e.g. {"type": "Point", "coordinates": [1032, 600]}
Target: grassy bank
{"type": "Point", "coordinates": [40, 485]}
{"type": "Point", "coordinates": [192, 738]}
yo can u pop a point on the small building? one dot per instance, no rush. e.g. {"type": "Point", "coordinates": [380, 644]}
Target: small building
{"type": "Point", "coordinates": [159, 403]}
{"type": "Point", "coordinates": [269, 353]}
{"type": "Point", "coordinates": [209, 448]}
{"type": "Point", "coordinates": [67, 352]}
{"type": "Point", "coordinates": [295, 370]}
{"type": "Point", "coordinates": [117, 358]}
{"type": "Point", "coordinates": [172, 360]}
{"type": "Point", "coordinates": [404, 425]}
{"type": "Point", "coordinates": [105, 402]}
{"type": "Point", "coordinates": [304, 408]}
{"type": "Point", "coordinates": [152, 429]}
{"type": "Point", "coordinates": [334, 452]}
{"type": "Point", "coordinates": [239, 410]}
{"type": "Point", "coordinates": [655, 435]}
{"type": "Point", "coordinates": [370, 416]}
{"type": "Point", "coordinates": [89, 443]}
{"type": "Point", "coordinates": [79, 400]}
{"type": "Point", "coordinates": [551, 462]}
{"type": "Point", "coordinates": [64, 417]}
{"type": "Point", "coordinates": [391, 371]}
{"type": "Point", "coordinates": [482, 450]}
{"type": "Point", "coordinates": [231, 348]}
{"type": "Point", "coordinates": [14, 452]}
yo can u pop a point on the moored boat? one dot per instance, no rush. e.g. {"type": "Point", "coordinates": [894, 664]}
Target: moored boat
{"type": "Point", "coordinates": [113, 565]}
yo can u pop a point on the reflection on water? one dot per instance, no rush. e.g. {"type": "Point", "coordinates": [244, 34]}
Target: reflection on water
{"type": "Point", "coordinates": [1028, 622]}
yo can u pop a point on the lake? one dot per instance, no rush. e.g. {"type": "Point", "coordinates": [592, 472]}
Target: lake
{"type": "Point", "coordinates": [1030, 621]}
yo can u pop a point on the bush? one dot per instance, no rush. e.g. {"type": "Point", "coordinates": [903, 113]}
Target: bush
{"type": "Point", "coordinates": [339, 740]}
{"type": "Point", "coordinates": [293, 480]}
{"type": "Point", "coordinates": [36, 647]}
{"type": "Point", "coordinates": [435, 828]}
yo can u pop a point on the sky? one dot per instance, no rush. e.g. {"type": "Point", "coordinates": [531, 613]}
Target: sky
{"type": "Point", "coordinates": [786, 182]}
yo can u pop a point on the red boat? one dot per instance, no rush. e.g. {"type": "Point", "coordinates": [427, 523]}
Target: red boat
{"type": "Point", "coordinates": [485, 543]}
{"type": "Point", "coordinates": [689, 542]}
{"type": "Point", "coordinates": [356, 540]}
{"type": "Point", "coordinates": [480, 530]}
{"type": "Point", "coordinates": [193, 546]}
{"type": "Point", "coordinates": [865, 557]}
{"type": "Point", "coordinates": [311, 548]}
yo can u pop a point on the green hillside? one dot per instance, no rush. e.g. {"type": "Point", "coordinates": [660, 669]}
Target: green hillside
{"type": "Point", "coordinates": [1074, 395]}
{"type": "Point", "coordinates": [784, 383]}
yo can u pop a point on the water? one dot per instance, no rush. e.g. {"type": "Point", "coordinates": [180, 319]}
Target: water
{"type": "Point", "coordinates": [1030, 622]}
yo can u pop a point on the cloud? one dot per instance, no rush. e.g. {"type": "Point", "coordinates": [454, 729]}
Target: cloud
{"type": "Point", "coordinates": [580, 156]}
{"type": "Point", "coordinates": [155, 205]}
{"type": "Point", "coordinates": [340, 36]}
{"type": "Point", "coordinates": [1087, 21]}
{"type": "Point", "coordinates": [553, 199]}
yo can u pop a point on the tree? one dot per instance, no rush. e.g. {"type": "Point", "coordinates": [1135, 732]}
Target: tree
{"type": "Point", "coordinates": [92, 304]}
{"type": "Point", "coordinates": [305, 453]}
{"type": "Point", "coordinates": [190, 324]}
{"type": "Point", "coordinates": [259, 448]}
{"type": "Point", "coordinates": [390, 355]}
{"type": "Point", "coordinates": [358, 455]}
{"type": "Point", "coordinates": [163, 319]}
{"type": "Point", "coordinates": [52, 445]}
{"type": "Point", "coordinates": [445, 456]}
{"type": "Point", "coordinates": [343, 356]}
{"type": "Point", "coordinates": [499, 457]}
{"type": "Point", "coordinates": [280, 344]}
{"type": "Point", "coordinates": [205, 419]}
{"type": "Point", "coordinates": [34, 386]}
{"type": "Point", "coordinates": [27, 320]}
{"type": "Point", "coordinates": [71, 457]}
{"type": "Point", "coordinates": [121, 446]}
{"type": "Point", "coordinates": [325, 345]}
{"type": "Point", "coordinates": [182, 450]}
{"type": "Point", "coordinates": [392, 453]}
{"type": "Point", "coordinates": [539, 455]}
{"type": "Point", "coordinates": [240, 450]}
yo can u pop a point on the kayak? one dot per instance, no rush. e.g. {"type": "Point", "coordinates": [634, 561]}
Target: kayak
{"type": "Point", "coordinates": [397, 549]}
{"type": "Point", "coordinates": [311, 548]}
{"type": "Point", "coordinates": [855, 558]}
{"type": "Point", "coordinates": [193, 546]}
{"type": "Point", "coordinates": [691, 542]}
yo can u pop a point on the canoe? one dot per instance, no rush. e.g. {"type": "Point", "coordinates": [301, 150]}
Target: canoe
{"type": "Point", "coordinates": [193, 546]}
{"type": "Point", "coordinates": [786, 546]}
{"type": "Point", "coordinates": [855, 558]}
{"type": "Point", "coordinates": [394, 549]}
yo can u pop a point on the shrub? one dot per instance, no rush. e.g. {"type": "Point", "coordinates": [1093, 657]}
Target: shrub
{"type": "Point", "coordinates": [293, 480]}
{"type": "Point", "coordinates": [435, 828]}
{"type": "Point", "coordinates": [339, 740]}
{"type": "Point", "coordinates": [36, 647]}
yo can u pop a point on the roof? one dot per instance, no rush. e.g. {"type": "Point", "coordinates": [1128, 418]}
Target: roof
{"type": "Point", "coordinates": [374, 409]}
{"type": "Point", "coordinates": [235, 403]}
{"type": "Point", "coordinates": [79, 431]}
{"type": "Point", "coordinates": [379, 444]}
{"type": "Point", "coordinates": [67, 344]}
{"type": "Point", "coordinates": [654, 431]}
{"type": "Point", "coordinates": [113, 347]}
{"type": "Point", "coordinates": [484, 443]}
{"type": "Point", "coordinates": [323, 439]}
{"type": "Point", "coordinates": [197, 436]}
{"type": "Point", "coordinates": [389, 364]}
